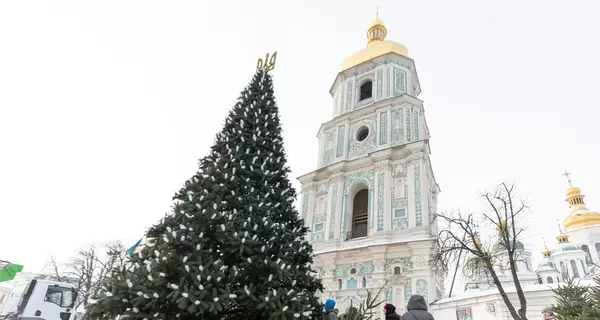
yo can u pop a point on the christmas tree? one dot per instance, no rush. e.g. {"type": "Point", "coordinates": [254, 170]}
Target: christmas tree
{"type": "Point", "coordinates": [574, 302]}
{"type": "Point", "coordinates": [234, 246]}
{"type": "Point", "coordinates": [595, 296]}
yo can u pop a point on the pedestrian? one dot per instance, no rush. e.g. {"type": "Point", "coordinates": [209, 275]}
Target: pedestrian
{"type": "Point", "coordinates": [548, 314]}
{"type": "Point", "coordinates": [417, 309]}
{"type": "Point", "coordinates": [330, 312]}
{"type": "Point", "coordinates": [390, 312]}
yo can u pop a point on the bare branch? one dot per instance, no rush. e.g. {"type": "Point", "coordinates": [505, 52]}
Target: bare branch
{"type": "Point", "coordinates": [483, 261]}
{"type": "Point", "coordinates": [89, 269]}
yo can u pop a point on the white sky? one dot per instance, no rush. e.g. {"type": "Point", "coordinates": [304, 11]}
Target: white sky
{"type": "Point", "coordinates": [106, 106]}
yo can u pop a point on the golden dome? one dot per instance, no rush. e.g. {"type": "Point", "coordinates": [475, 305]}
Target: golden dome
{"type": "Point", "coordinates": [377, 22]}
{"type": "Point", "coordinates": [579, 216]}
{"type": "Point", "coordinates": [377, 46]}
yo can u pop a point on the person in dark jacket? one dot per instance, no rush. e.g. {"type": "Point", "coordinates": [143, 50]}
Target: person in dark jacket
{"type": "Point", "coordinates": [330, 312]}
{"type": "Point", "coordinates": [390, 312]}
{"type": "Point", "coordinates": [417, 309]}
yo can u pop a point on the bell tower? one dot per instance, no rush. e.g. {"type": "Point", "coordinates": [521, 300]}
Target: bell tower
{"type": "Point", "coordinates": [370, 201]}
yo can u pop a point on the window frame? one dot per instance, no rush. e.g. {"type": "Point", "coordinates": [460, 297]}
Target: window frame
{"type": "Point", "coordinates": [322, 227]}
{"type": "Point", "coordinates": [360, 90]}
{"type": "Point", "coordinates": [64, 292]}
{"type": "Point", "coordinates": [400, 209]}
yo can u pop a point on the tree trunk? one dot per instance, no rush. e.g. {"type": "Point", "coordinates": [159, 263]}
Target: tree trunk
{"type": "Point", "coordinates": [518, 287]}
{"type": "Point", "coordinates": [503, 294]}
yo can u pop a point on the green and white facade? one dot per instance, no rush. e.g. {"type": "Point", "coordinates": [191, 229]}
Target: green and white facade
{"type": "Point", "coordinates": [374, 157]}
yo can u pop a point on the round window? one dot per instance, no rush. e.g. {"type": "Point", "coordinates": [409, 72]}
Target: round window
{"type": "Point", "coordinates": [362, 133]}
{"type": "Point", "coordinates": [353, 271]}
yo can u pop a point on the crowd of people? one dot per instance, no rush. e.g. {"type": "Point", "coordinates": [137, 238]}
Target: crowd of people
{"type": "Point", "coordinates": [417, 310]}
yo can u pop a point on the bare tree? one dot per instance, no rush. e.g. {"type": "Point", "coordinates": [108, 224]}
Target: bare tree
{"type": "Point", "coordinates": [365, 310]}
{"type": "Point", "coordinates": [88, 269]}
{"type": "Point", "coordinates": [460, 237]}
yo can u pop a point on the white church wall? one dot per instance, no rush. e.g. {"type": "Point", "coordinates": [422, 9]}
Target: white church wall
{"type": "Point", "coordinates": [478, 307]}
{"type": "Point", "coordinates": [396, 122]}
{"type": "Point", "coordinates": [488, 305]}
{"type": "Point", "coordinates": [589, 236]}
{"type": "Point", "coordinates": [576, 269]}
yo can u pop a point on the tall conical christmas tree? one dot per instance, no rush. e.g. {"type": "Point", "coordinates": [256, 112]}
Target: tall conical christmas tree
{"type": "Point", "coordinates": [233, 247]}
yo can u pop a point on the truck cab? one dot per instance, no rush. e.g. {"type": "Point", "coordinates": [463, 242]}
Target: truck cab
{"type": "Point", "coordinates": [46, 300]}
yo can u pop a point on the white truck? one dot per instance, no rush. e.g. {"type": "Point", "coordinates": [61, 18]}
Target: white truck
{"type": "Point", "coordinates": [44, 300]}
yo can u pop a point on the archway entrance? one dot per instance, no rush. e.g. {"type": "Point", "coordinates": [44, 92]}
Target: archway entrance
{"type": "Point", "coordinates": [360, 214]}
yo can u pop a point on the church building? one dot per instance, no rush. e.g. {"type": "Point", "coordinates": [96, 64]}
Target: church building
{"type": "Point", "coordinates": [369, 204]}
{"type": "Point", "coordinates": [576, 255]}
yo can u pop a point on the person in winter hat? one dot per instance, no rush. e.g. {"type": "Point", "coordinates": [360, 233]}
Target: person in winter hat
{"type": "Point", "coordinates": [330, 312]}
{"type": "Point", "coordinates": [548, 314]}
{"type": "Point", "coordinates": [417, 309]}
{"type": "Point", "coordinates": [390, 312]}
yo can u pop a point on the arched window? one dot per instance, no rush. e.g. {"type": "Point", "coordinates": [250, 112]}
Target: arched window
{"type": "Point", "coordinates": [563, 270]}
{"type": "Point", "coordinates": [583, 267]}
{"type": "Point", "coordinates": [351, 283]}
{"type": "Point", "coordinates": [550, 280]}
{"type": "Point", "coordinates": [364, 282]}
{"type": "Point", "coordinates": [339, 284]}
{"type": "Point", "coordinates": [528, 264]}
{"type": "Point", "coordinates": [539, 280]}
{"type": "Point", "coordinates": [397, 270]}
{"type": "Point", "coordinates": [366, 90]}
{"type": "Point", "coordinates": [574, 268]}
{"type": "Point", "coordinates": [588, 257]}
{"type": "Point", "coordinates": [360, 209]}
{"type": "Point", "coordinates": [321, 206]}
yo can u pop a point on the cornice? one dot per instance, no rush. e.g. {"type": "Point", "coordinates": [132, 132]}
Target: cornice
{"type": "Point", "coordinates": [366, 66]}
{"type": "Point", "coordinates": [409, 152]}
{"type": "Point", "coordinates": [369, 110]}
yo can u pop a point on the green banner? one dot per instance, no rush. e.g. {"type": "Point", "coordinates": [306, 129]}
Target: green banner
{"type": "Point", "coordinates": [9, 271]}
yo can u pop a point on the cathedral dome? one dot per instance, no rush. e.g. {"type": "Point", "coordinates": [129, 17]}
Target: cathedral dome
{"type": "Point", "coordinates": [566, 247]}
{"type": "Point", "coordinates": [377, 46]}
{"type": "Point", "coordinates": [499, 246]}
{"type": "Point", "coordinates": [579, 216]}
{"type": "Point", "coordinates": [545, 265]}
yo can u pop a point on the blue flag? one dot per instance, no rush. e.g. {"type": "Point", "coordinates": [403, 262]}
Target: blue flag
{"type": "Point", "coordinates": [133, 249]}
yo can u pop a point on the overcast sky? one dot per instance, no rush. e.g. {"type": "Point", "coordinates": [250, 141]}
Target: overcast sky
{"type": "Point", "coordinates": [106, 106]}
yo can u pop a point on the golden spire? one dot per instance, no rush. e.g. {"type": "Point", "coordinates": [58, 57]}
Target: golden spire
{"type": "Point", "coordinates": [477, 244]}
{"type": "Point", "coordinates": [562, 237]}
{"type": "Point", "coordinates": [377, 45]}
{"type": "Point", "coordinates": [377, 31]}
{"type": "Point", "coordinates": [546, 252]}
{"type": "Point", "coordinates": [502, 226]}
{"type": "Point", "coordinates": [574, 196]}
{"type": "Point", "coordinates": [579, 215]}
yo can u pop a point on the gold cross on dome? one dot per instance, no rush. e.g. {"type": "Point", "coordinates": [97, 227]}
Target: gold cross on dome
{"type": "Point", "coordinates": [377, 11]}
{"type": "Point", "coordinates": [568, 175]}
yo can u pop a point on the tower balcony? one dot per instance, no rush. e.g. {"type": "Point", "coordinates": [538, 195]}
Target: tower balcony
{"type": "Point", "coordinates": [355, 240]}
